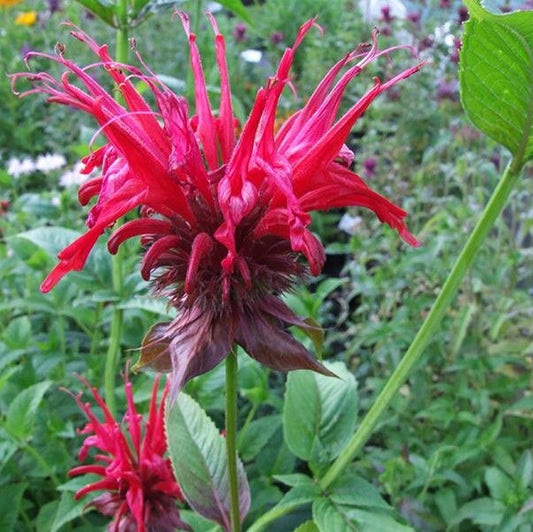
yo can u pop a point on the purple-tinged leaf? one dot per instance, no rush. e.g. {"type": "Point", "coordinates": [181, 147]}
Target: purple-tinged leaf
{"type": "Point", "coordinates": [198, 454]}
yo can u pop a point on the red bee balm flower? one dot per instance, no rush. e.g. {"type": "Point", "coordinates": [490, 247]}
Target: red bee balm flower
{"type": "Point", "coordinates": [140, 489]}
{"type": "Point", "coordinates": [223, 219]}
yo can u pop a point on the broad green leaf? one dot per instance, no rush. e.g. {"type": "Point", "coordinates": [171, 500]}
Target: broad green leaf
{"type": "Point", "coordinates": [299, 495]}
{"type": "Point", "coordinates": [45, 517]}
{"type": "Point", "coordinates": [308, 526]}
{"type": "Point", "coordinates": [257, 435]}
{"type": "Point", "coordinates": [329, 516]}
{"type": "Point", "coordinates": [104, 11]}
{"type": "Point", "coordinates": [18, 333]}
{"type": "Point", "coordinates": [67, 510]}
{"type": "Point", "coordinates": [496, 77]}
{"type": "Point", "coordinates": [237, 8]}
{"type": "Point", "coordinates": [7, 449]}
{"type": "Point", "coordinates": [524, 403]}
{"type": "Point", "coordinates": [483, 511]}
{"type": "Point", "coordinates": [198, 523]}
{"type": "Point", "coordinates": [294, 479]}
{"type": "Point", "coordinates": [53, 239]}
{"type": "Point", "coordinates": [148, 304]}
{"type": "Point", "coordinates": [275, 458]}
{"type": "Point", "coordinates": [524, 470]}
{"type": "Point", "coordinates": [198, 454]}
{"type": "Point", "coordinates": [446, 503]}
{"type": "Point", "coordinates": [23, 410]}
{"type": "Point", "coordinates": [315, 333]}
{"type": "Point", "coordinates": [10, 499]}
{"type": "Point", "coordinates": [351, 490]}
{"type": "Point", "coordinates": [499, 484]}
{"type": "Point", "coordinates": [319, 413]}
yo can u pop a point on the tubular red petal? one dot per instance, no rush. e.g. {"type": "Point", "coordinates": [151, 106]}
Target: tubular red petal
{"type": "Point", "coordinates": [89, 189]}
{"type": "Point", "coordinates": [133, 418]}
{"type": "Point", "coordinates": [201, 246]}
{"type": "Point", "coordinates": [104, 484]}
{"type": "Point", "coordinates": [329, 145]}
{"type": "Point", "coordinates": [87, 469]}
{"type": "Point", "coordinates": [156, 249]}
{"type": "Point", "coordinates": [143, 226]}
{"type": "Point", "coordinates": [226, 119]}
{"type": "Point", "coordinates": [206, 120]}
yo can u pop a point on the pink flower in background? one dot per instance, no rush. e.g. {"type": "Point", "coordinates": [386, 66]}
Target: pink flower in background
{"type": "Point", "coordinates": [140, 491]}
{"type": "Point", "coordinates": [223, 218]}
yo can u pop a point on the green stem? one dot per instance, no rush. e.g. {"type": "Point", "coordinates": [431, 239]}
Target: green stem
{"type": "Point", "coordinates": [117, 271]}
{"type": "Point", "coordinates": [115, 334]}
{"type": "Point", "coordinates": [122, 47]}
{"type": "Point", "coordinates": [272, 515]}
{"type": "Point", "coordinates": [449, 289]}
{"type": "Point", "coordinates": [231, 438]}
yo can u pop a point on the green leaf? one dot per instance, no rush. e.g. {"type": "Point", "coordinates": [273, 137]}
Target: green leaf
{"type": "Point", "coordinates": [496, 77]}
{"type": "Point", "coordinates": [53, 239]}
{"type": "Point", "coordinates": [67, 510]}
{"type": "Point", "coordinates": [524, 470]}
{"type": "Point", "coordinates": [294, 479]}
{"type": "Point", "coordinates": [198, 454]}
{"type": "Point", "coordinates": [18, 333]}
{"type": "Point", "coordinates": [329, 516]}
{"type": "Point", "coordinates": [446, 503]}
{"type": "Point", "coordinates": [299, 495]}
{"type": "Point", "coordinates": [257, 435]}
{"type": "Point", "coordinates": [499, 484]}
{"type": "Point", "coordinates": [483, 511]}
{"type": "Point", "coordinates": [105, 12]}
{"type": "Point", "coordinates": [7, 449]}
{"type": "Point", "coordinates": [22, 411]}
{"type": "Point", "coordinates": [198, 523]}
{"type": "Point", "coordinates": [147, 304]}
{"type": "Point", "coordinates": [237, 8]}
{"type": "Point", "coordinates": [308, 526]}
{"type": "Point", "coordinates": [319, 413]}
{"type": "Point", "coordinates": [315, 333]}
{"type": "Point", "coordinates": [351, 490]}
{"type": "Point", "coordinates": [10, 499]}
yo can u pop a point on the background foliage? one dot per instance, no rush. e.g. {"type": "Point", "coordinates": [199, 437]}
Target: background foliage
{"type": "Point", "coordinates": [454, 453]}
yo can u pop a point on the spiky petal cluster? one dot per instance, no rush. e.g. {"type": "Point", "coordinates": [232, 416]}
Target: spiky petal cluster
{"type": "Point", "coordinates": [140, 491]}
{"type": "Point", "coordinates": [223, 219]}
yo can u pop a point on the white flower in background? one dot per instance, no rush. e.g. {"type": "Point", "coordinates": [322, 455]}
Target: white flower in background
{"type": "Point", "coordinates": [349, 224]}
{"type": "Point", "coordinates": [372, 9]}
{"type": "Point", "coordinates": [17, 167]}
{"type": "Point", "coordinates": [251, 56]}
{"type": "Point", "coordinates": [73, 177]}
{"type": "Point", "coordinates": [50, 161]}
{"type": "Point", "coordinates": [213, 7]}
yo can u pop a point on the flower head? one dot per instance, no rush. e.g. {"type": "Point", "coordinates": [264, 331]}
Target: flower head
{"type": "Point", "coordinates": [223, 218]}
{"type": "Point", "coordinates": [140, 491]}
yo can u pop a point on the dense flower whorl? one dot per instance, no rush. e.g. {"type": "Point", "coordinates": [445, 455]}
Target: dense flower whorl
{"type": "Point", "coordinates": [140, 491]}
{"type": "Point", "coordinates": [223, 219]}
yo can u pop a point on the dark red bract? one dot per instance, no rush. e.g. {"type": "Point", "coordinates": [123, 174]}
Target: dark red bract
{"type": "Point", "coordinates": [223, 219]}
